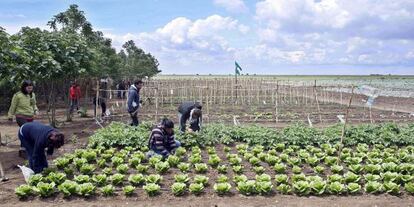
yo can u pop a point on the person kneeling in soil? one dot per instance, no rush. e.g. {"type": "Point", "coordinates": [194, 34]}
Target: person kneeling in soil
{"type": "Point", "coordinates": [35, 138]}
{"type": "Point", "coordinates": [190, 111]}
{"type": "Point", "coordinates": [162, 139]}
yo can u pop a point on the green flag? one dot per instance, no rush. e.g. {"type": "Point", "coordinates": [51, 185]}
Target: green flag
{"type": "Point", "coordinates": [238, 68]}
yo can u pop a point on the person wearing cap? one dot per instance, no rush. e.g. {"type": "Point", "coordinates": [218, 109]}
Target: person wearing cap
{"type": "Point", "coordinates": [36, 138]}
{"type": "Point", "coordinates": [162, 140]}
{"type": "Point", "coordinates": [190, 111]}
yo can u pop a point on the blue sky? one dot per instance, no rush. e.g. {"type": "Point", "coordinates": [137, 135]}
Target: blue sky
{"type": "Point", "coordinates": [264, 36]}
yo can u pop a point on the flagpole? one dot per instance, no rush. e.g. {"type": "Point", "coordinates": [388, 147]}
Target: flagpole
{"type": "Point", "coordinates": [236, 81]}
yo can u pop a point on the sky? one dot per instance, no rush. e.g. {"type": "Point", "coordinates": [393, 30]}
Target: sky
{"type": "Point", "coordinates": [309, 37]}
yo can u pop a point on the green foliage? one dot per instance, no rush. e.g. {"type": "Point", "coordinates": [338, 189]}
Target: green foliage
{"type": "Point", "coordinates": [196, 188]}
{"type": "Point", "coordinates": [178, 189]}
{"type": "Point", "coordinates": [128, 190]}
{"type": "Point", "coordinates": [200, 168]}
{"type": "Point", "coordinates": [136, 179]}
{"type": "Point", "coordinates": [222, 188]}
{"type": "Point", "coordinates": [108, 190]}
{"type": "Point", "coordinates": [201, 179]}
{"type": "Point", "coordinates": [162, 167]}
{"type": "Point", "coordinates": [154, 178]}
{"type": "Point", "coordinates": [117, 179]}
{"type": "Point", "coordinates": [247, 187]}
{"type": "Point", "coordinates": [45, 189]}
{"type": "Point", "coordinates": [184, 167]}
{"type": "Point", "coordinates": [86, 189]}
{"type": "Point", "coordinates": [152, 189]}
{"type": "Point", "coordinates": [23, 191]}
{"type": "Point", "coordinates": [181, 178]}
{"type": "Point", "coordinates": [82, 179]}
{"type": "Point", "coordinates": [100, 179]}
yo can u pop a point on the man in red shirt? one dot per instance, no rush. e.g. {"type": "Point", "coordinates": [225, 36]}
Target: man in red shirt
{"type": "Point", "coordinates": [74, 95]}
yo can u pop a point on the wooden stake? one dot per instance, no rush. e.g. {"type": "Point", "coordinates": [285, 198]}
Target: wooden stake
{"type": "Point", "coordinates": [346, 121]}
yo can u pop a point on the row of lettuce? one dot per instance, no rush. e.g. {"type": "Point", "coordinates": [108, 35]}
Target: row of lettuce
{"type": "Point", "coordinates": [388, 134]}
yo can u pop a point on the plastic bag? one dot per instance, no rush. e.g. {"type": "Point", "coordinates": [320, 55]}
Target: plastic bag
{"type": "Point", "coordinates": [27, 172]}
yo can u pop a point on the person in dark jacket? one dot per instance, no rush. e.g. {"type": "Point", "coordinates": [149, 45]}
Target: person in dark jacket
{"type": "Point", "coordinates": [134, 101]}
{"type": "Point", "coordinates": [162, 139]}
{"type": "Point", "coordinates": [35, 138]}
{"type": "Point", "coordinates": [191, 110]}
{"type": "Point", "coordinates": [102, 103]}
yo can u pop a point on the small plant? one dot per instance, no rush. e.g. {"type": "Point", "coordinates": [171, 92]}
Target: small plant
{"type": "Point", "coordinates": [222, 169]}
{"type": "Point", "coordinates": [82, 179]}
{"type": "Point", "coordinates": [302, 187]}
{"type": "Point", "coordinates": [136, 179]}
{"type": "Point", "coordinates": [184, 167]}
{"type": "Point", "coordinates": [336, 188]}
{"type": "Point", "coordinates": [280, 168]}
{"type": "Point", "coordinates": [122, 168]}
{"type": "Point", "coordinates": [201, 179]}
{"type": "Point", "coordinates": [391, 188]}
{"type": "Point", "coordinates": [128, 190]}
{"type": "Point", "coordinates": [351, 177]}
{"type": "Point", "coordinates": [264, 187]}
{"type": "Point", "coordinates": [239, 178]}
{"type": "Point", "coordinates": [57, 178]}
{"type": "Point", "coordinates": [195, 158]}
{"type": "Point", "coordinates": [45, 189]}
{"type": "Point", "coordinates": [214, 161]}
{"type": "Point", "coordinates": [79, 162]}
{"type": "Point", "coordinates": [409, 187]}
{"type": "Point", "coordinates": [181, 178]}
{"type": "Point", "coordinates": [281, 178]}
{"type": "Point", "coordinates": [222, 179]}
{"type": "Point", "coordinates": [296, 169]}
{"type": "Point", "coordinates": [154, 160]}
{"type": "Point", "coordinates": [61, 162]}
{"type": "Point", "coordinates": [108, 190]}
{"type": "Point", "coordinates": [246, 187]}
{"type": "Point", "coordinates": [87, 169]}
{"type": "Point", "coordinates": [180, 151]}
{"type": "Point", "coordinates": [238, 169]}
{"type": "Point", "coordinates": [178, 189]}
{"type": "Point", "coordinates": [263, 178]}
{"type": "Point", "coordinates": [254, 161]}
{"type": "Point", "coordinates": [337, 168]}
{"type": "Point", "coordinates": [200, 167]}
{"type": "Point", "coordinates": [196, 188]}
{"type": "Point", "coordinates": [117, 161]}
{"type": "Point", "coordinates": [117, 179]}
{"type": "Point", "coordinates": [86, 189]}
{"type": "Point", "coordinates": [99, 180]}
{"type": "Point", "coordinates": [134, 161]}
{"type": "Point", "coordinates": [353, 188]}
{"type": "Point", "coordinates": [154, 178]}
{"type": "Point", "coordinates": [319, 169]}
{"type": "Point", "coordinates": [35, 179]}
{"type": "Point", "coordinates": [23, 191]}
{"type": "Point", "coordinates": [284, 188]}
{"type": "Point", "coordinates": [173, 160]}
{"type": "Point", "coordinates": [318, 187]}
{"type": "Point", "coordinates": [162, 167]}
{"type": "Point", "coordinates": [152, 189]}
{"type": "Point", "coordinates": [373, 187]}
{"type": "Point", "coordinates": [142, 168]}
{"type": "Point", "coordinates": [222, 188]}
{"type": "Point", "coordinates": [258, 169]}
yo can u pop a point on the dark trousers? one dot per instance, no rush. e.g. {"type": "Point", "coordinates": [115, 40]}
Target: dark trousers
{"type": "Point", "coordinates": [183, 120]}
{"type": "Point", "coordinates": [20, 121]}
{"type": "Point", "coordinates": [42, 163]}
{"type": "Point", "coordinates": [74, 103]}
{"type": "Point", "coordinates": [134, 117]}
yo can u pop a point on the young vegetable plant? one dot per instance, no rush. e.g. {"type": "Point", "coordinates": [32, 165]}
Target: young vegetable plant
{"type": "Point", "coordinates": [184, 167]}
{"type": "Point", "coordinates": [136, 179]}
{"type": "Point", "coordinates": [152, 189]}
{"type": "Point", "coordinates": [281, 178]}
{"type": "Point", "coordinates": [196, 188]}
{"type": "Point", "coordinates": [318, 187]}
{"type": "Point", "coordinates": [201, 179]}
{"type": "Point", "coordinates": [259, 169]}
{"type": "Point", "coordinates": [61, 162]}
{"type": "Point", "coordinates": [222, 179]}
{"type": "Point", "coordinates": [302, 187]}
{"type": "Point", "coordinates": [200, 167]}
{"type": "Point", "coordinates": [264, 187]}
{"type": "Point", "coordinates": [353, 188]}
{"type": "Point", "coordinates": [247, 187]}
{"type": "Point", "coordinates": [117, 179]}
{"type": "Point", "coordinates": [154, 178]}
{"type": "Point", "coordinates": [222, 188]}
{"type": "Point", "coordinates": [82, 179]}
{"type": "Point", "coordinates": [128, 190]}
{"type": "Point", "coordinates": [280, 168]}
{"type": "Point", "coordinates": [45, 189]}
{"type": "Point", "coordinates": [178, 189]}
{"type": "Point", "coordinates": [239, 178]}
{"type": "Point", "coordinates": [173, 160]}
{"type": "Point", "coordinates": [222, 169]}
{"type": "Point", "coordinates": [238, 169]}
{"type": "Point", "coordinates": [284, 188]}
{"type": "Point", "coordinates": [122, 168]}
{"type": "Point", "coordinates": [373, 187]}
{"type": "Point", "coordinates": [87, 169]}
{"type": "Point", "coordinates": [24, 191]}
{"type": "Point", "coordinates": [57, 178]}
{"type": "Point", "coordinates": [142, 168]}
{"type": "Point", "coordinates": [86, 189]}
{"type": "Point", "coordinates": [214, 161]}
{"type": "Point", "coordinates": [108, 190]}
{"type": "Point", "coordinates": [162, 167]}
{"type": "Point", "coordinates": [181, 178]}
{"type": "Point", "coordinates": [336, 188]}
{"type": "Point", "coordinates": [100, 180]}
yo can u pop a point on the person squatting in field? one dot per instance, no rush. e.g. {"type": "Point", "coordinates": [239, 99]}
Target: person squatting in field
{"type": "Point", "coordinates": [23, 107]}
{"type": "Point", "coordinates": [162, 140]}
{"type": "Point", "coordinates": [35, 138]}
{"type": "Point", "coordinates": [134, 101]}
{"type": "Point", "coordinates": [190, 111]}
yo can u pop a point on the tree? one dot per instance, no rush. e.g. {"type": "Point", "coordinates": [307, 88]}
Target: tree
{"type": "Point", "coordinates": [136, 62]}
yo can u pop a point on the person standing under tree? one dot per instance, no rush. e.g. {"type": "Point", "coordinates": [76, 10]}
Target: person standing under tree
{"type": "Point", "coordinates": [190, 111]}
{"type": "Point", "coordinates": [23, 107]}
{"type": "Point", "coordinates": [134, 101]}
{"type": "Point", "coordinates": [74, 95]}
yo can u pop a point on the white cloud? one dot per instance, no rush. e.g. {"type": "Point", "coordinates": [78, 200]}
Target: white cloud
{"type": "Point", "coordinates": [236, 6]}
